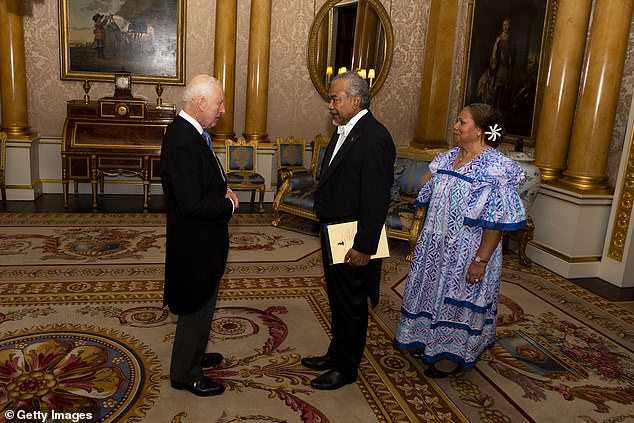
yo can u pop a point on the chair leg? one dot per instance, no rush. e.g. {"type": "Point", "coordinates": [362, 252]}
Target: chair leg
{"type": "Point", "coordinates": [525, 235]}
{"type": "Point", "coordinates": [277, 218]}
{"type": "Point", "coordinates": [262, 200]}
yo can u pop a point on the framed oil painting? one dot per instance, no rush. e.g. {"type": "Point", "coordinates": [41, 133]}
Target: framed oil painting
{"type": "Point", "coordinates": [143, 37]}
{"type": "Point", "coordinates": [507, 46]}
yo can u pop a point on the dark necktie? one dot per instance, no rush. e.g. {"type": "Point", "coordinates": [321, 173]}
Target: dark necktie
{"type": "Point", "coordinates": [209, 144]}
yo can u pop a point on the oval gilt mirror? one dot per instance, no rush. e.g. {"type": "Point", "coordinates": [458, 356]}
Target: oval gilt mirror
{"type": "Point", "coordinates": [351, 34]}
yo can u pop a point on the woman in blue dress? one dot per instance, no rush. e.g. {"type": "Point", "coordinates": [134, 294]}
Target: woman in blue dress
{"type": "Point", "coordinates": [450, 301]}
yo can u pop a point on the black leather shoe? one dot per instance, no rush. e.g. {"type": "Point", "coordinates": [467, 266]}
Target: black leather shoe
{"type": "Point", "coordinates": [332, 380]}
{"type": "Point", "coordinates": [324, 362]}
{"type": "Point", "coordinates": [434, 373]}
{"type": "Point", "coordinates": [204, 387]}
{"type": "Point", "coordinates": [211, 359]}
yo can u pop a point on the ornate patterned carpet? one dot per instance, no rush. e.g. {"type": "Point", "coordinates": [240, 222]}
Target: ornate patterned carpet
{"type": "Point", "coordinates": [82, 331]}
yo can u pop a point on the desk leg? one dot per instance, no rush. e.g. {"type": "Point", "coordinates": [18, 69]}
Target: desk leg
{"type": "Point", "coordinates": [94, 180]}
{"type": "Point", "coordinates": [146, 191]}
{"type": "Point", "coordinates": [93, 184]}
{"type": "Point", "coordinates": [65, 192]}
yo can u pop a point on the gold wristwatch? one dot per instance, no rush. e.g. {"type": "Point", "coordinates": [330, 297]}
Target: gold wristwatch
{"type": "Point", "coordinates": [479, 259]}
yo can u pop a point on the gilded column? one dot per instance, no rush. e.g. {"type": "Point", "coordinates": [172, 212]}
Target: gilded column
{"type": "Point", "coordinates": [603, 69]}
{"type": "Point", "coordinates": [225, 63]}
{"type": "Point", "coordinates": [560, 91]}
{"type": "Point", "coordinates": [258, 71]}
{"type": "Point", "coordinates": [436, 80]}
{"type": "Point", "coordinates": [15, 120]}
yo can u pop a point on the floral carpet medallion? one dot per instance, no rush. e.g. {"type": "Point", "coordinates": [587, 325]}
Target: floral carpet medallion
{"type": "Point", "coordinates": [88, 244]}
{"type": "Point", "coordinates": [86, 371]}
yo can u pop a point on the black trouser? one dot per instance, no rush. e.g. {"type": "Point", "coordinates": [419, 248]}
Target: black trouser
{"type": "Point", "coordinates": [190, 342]}
{"type": "Point", "coordinates": [348, 298]}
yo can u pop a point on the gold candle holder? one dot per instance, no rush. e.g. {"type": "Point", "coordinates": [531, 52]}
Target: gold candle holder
{"type": "Point", "coordinates": [159, 92]}
{"type": "Point", "coordinates": [86, 90]}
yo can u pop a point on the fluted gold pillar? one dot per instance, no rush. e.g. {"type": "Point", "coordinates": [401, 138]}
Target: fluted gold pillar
{"type": "Point", "coordinates": [15, 120]}
{"type": "Point", "coordinates": [563, 73]}
{"type": "Point", "coordinates": [225, 63]}
{"type": "Point", "coordinates": [603, 69]}
{"type": "Point", "coordinates": [258, 71]}
{"type": "Point", "coordinates": [436, 80]}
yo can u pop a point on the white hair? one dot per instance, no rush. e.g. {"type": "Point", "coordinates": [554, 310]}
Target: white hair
{"type": "Point", "coordinates": [200, 85]}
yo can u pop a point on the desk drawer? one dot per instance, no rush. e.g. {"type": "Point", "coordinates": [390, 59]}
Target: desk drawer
{"type": "Point", "coordinates": [120, 163]}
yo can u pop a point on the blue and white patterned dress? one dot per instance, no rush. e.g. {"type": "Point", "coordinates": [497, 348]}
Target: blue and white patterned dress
{"type": "Point", "coordinates": [443, 314]}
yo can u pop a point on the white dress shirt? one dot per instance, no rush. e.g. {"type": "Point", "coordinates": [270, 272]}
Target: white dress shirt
{"type": "Point", "coordinates": [344, 130]}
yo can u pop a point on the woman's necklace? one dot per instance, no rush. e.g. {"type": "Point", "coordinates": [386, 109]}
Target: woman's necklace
{"type": "Point", "coordinates": [462, 156]}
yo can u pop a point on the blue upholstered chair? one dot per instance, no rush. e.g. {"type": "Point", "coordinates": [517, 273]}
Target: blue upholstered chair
{"type": "Point", "coordinates": [290, 154]}
{"type": "Point", "coordinates": [411, 172]}
{"type": "Point", "coordinates": [290, 157]}
{"type": "Point", "coordinates": [296, 187]}
{"type": "Point", "coordinates": [241, 168]}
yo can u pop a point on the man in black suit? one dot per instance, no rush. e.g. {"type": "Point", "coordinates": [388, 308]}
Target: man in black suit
{"type": "Point", "coordinates": [354, 184]}
{"type": "Point", "coordinates": [199, 207]}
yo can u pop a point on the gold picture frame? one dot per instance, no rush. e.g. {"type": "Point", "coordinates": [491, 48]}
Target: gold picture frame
{"type": "Point", "coordinates": [144, 38]}
{"type": "Point", "coordinates": [508, 44]}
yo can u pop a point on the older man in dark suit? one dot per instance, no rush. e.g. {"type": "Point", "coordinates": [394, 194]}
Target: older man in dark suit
{"type": "Point", "coordinates": [354, 184]}
{"type": "Point", "coordinates": [199, 207]}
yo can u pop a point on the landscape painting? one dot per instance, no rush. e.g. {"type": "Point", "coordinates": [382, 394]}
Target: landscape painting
{"type": "Point", "coordinates": [101, 37]}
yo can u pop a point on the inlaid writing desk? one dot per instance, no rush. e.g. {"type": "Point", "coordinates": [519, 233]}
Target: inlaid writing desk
{"type": "Point", "coordinates": [113, 137]}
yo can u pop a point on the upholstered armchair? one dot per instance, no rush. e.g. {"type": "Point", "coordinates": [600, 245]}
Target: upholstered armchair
{"type": "Point", "coordinates": [290, 154]}
{"type": "Point", "coordinates": [296, 187]}
{"type": "Point", "coordinates": [241, 168]}
{"type": "Point", "coordinates": [411, 171]}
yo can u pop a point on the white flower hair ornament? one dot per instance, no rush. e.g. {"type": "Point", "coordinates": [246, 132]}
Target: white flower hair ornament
{"type": "Point", "coordinates": [494, 132]}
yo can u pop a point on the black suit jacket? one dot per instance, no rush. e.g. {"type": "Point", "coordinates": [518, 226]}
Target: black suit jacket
{"type": "Point", "coordinates": [356, 185]}
{"type": "Point", "coordinates": [197, 242]}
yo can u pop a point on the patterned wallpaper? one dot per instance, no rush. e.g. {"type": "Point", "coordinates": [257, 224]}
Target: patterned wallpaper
{"type": "Point", "coordinates": [295, 108]}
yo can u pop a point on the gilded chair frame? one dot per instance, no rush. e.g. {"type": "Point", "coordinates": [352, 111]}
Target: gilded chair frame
{"type": "Point", "coordinates": [253, 147]}
{"type": "Point", "coordinates": [320, 142]}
